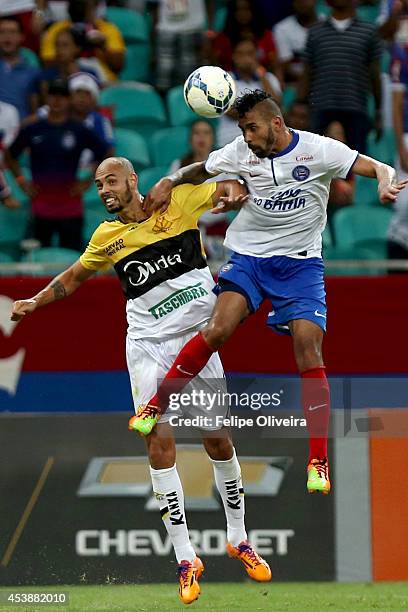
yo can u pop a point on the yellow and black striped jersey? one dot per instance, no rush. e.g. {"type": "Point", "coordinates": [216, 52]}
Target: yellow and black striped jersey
{"type": "Point", "coordinates": [161, 265]}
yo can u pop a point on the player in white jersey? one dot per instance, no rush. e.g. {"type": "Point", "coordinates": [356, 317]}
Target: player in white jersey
{"type": "Point", "coordinates": [163, 272]}
{"type": "Point", "coordinates": [276, 243]}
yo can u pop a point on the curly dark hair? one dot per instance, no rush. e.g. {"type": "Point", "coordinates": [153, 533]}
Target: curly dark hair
{"type": "Point", "coordinates": [251, 98]}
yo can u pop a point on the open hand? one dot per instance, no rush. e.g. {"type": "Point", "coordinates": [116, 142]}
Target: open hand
{"type": "Point", "coordinates": [158, 198]}
{"type": "Point", "coordinates": [227, 203]}
{"type": "Point", "coordinates": [389, 192]}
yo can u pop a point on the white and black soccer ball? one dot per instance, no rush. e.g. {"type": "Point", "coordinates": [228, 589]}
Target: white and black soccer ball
{"type": "Point", "coordinates": [210, 91]}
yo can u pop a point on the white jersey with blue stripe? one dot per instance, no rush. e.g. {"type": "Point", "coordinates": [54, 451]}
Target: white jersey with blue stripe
{"type": "Point", "coordinates": [289, 191]}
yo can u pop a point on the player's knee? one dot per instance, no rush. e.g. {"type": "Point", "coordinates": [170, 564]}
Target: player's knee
{"type": "Point", "coordinates": [216, 334]}
{"type": "Point", "coordinates": [220, 449]}
{"type": "Point", "coordinates": [161, 453]}
{"type": "Point", "coordinates": [308, 353]}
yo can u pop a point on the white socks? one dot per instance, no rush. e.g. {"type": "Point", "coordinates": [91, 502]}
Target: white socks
{"type": "Point", "coordinates": [168, 491]}
{"type": "Point", "coordinates": [228, 479]}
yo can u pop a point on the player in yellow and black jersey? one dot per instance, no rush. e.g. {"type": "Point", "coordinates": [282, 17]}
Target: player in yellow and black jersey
{"type": "Point", "coordinates": [163, 272]}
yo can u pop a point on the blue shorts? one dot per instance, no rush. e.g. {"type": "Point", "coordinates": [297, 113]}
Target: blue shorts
{"type": "Point", "coordinates": [294, 286]}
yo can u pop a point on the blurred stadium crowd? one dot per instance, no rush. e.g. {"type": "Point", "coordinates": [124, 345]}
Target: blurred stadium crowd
{"type": "Point", "coordinates": [83, 79]}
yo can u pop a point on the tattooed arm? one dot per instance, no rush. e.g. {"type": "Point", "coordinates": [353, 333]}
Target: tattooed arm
{"type": "Point", "coordinates": [60, 287]}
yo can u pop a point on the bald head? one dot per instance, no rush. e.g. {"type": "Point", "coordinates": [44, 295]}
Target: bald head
{"type": "Point", "coordinates": [116, 182]}
{"type": "Point", "coordinates": [115, 164]}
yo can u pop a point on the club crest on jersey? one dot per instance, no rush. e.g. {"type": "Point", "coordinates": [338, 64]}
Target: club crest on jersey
{"type": "Point", "coordinates": [68, 140]}
{"type": "Point", "coordinates": [300, 173]}
{"type": "Point", "coordinates": [226, 267]}
{"type": "Point", "coordinates": [162, 225]}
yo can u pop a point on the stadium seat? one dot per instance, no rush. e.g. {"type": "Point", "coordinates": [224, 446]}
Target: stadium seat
{"type": "Point", "coordinates": [13, 228]}
{"type": "Point", "coordinates": [346, 253]}
{"type": "Point", "coordinates": [385, 149]}
{"type": "Point", "coordinates": [353, 224]}
{"type": "Point", "coordinates": [5, 258]}
{"type": "Point", "coordinates": [179, 112]}
{"type": "Point", "coordinates": [92, 219]}
{"type": "Point", "coordinates": [51, 255]}
{"type": "Point", "coordinates": [365, 192]}
{"type": "Point", "coordinates": [288, 97]}
{"type": "Point", "coordinates": [322, 9]}
{"type": "Point", "coordinates": [30, 57]}
{"type": "Point", "coordinates": [327, 239]}
{"type": "Point", "coordinates": [169, 144]}
{"type": "Point", "coordinates": [16, 190]}
{"type": "Point", "coordinates": [385, 61]}
{"type": "Point", "coordinates": [371, 107]}
{"type": "Point", "coordinates": [377, 246]}
{"type": "Point", "coordinates": [220, 18]}
{"type": "Point", "coordinates": [133, 26]}
{"type": "Point", "coordinates": [91, 198]}
{"type": "Point", "coordinates": [137, 62]}
{"type": "Point", "coordinates": [368, 13]}
{"type": "Point", "coordinates": [147, 178]}
{"type": "Point", "coordinates": [138, 107]}
{"type": "Point", "coordinates": [133, 146]}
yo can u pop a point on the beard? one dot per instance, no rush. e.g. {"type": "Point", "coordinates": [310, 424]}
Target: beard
{"type": "Point", "coordinates": [267, 148]}
{"type": "Point", "coordinates": [122, 201]}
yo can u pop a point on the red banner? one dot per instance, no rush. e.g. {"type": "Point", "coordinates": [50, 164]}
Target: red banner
{"type": "Point", "coordinates": [367, 330]}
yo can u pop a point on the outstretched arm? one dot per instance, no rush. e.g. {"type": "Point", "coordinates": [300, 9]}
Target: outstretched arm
{"type": "Point", "coordinates": [60, 287]}
{"type": "Point", "coordinates": [158, 197]}
{"type": "Point", "coordinates": [388, 187]}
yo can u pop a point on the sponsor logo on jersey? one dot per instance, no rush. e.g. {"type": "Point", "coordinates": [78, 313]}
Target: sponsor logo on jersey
{"type": "Point", "coordinates": [282, 201]}
{"type": "Point", "coordinates": [162, 225]}
{"type": "Point", "coordinates": [162, 260]}
{"type": "Point", "coordinates": [177, 299]}
{"type": "Point", "coordinates": [140, 271]}
{"type": "Point", "coordinates": [304, 158]}
{"type": "Point", "coordinates": [300, 173]}
{"type": "Point", "coordinates": [116, 246]}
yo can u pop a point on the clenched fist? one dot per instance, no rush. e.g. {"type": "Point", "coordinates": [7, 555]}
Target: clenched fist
{"type": "Point", "coordinates": [21, 308]}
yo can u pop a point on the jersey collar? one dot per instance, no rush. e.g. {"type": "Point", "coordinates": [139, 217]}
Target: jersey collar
{"type": "Point", "coordinates": [290, 147]}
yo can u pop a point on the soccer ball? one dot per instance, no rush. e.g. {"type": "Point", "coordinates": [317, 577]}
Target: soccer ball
{"type": "Point", "coordinates": [209, 91]}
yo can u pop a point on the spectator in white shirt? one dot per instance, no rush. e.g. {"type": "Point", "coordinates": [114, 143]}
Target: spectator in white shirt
{"type": "Point", "coordinates": [180, 28]}
{"type": "Point", "coordinates": [248, 74]}
{"type": "Point", "coordinates": [290, 38]}
{"type": "Point", "coordinates": [9, 124]}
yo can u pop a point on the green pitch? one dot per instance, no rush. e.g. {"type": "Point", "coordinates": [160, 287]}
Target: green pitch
{"type": "Point", "coordinates": [222, 597]}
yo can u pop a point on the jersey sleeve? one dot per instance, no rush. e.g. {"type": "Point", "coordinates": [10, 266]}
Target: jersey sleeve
{"type": "Point", "coordinates": [94, 257]}
{"type": "Point", "coordinates": [223, 160]}
{"type": "Point", "coordinates": [194, 199]}
{"type": "Point", "coordinates": [339, 158]}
